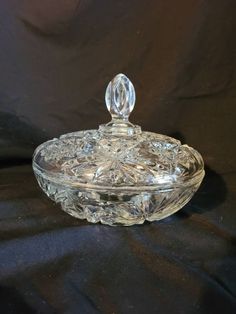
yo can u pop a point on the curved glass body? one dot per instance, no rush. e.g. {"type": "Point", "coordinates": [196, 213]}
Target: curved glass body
{"type": "Point", "coordinates": [118, 175]}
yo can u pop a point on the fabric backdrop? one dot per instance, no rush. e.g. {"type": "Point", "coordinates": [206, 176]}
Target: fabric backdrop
{"type": "Point", "coordinates": [56, 58]}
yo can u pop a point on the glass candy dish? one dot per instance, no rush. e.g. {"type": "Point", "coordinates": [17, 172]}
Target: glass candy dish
{"type": "Point", "coordinates": [118, 174]}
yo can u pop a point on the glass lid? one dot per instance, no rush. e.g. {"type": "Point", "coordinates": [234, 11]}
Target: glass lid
{"type": "Point", "coordinates": [119, 155]}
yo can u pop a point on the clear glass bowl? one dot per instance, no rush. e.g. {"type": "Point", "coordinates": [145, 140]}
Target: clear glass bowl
{"type": "Point", "coordinates": [118, 174]}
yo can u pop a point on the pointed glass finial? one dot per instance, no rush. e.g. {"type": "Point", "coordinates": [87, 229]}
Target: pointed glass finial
{"type": "Point", "coordinates": [120, 100]}
{"type": "Point", "coordinates": [120, 97]}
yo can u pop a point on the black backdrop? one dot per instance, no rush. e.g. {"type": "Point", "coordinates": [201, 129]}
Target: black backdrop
{"type": "Point", "coordinates": [56, 58]}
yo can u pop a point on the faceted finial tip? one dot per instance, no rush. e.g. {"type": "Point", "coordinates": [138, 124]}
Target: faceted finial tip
{"type": "Point", "coordinates": [120, 97]}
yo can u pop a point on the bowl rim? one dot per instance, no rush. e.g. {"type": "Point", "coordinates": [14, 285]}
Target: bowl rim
{"type": "Point", "coordinates": [65, 181]}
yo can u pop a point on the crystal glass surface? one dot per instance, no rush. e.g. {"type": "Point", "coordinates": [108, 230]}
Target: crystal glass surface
{"type": "Point", "coordinates": [118, 174]}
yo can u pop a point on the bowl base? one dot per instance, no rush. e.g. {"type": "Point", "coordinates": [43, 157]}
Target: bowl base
{"type": "Point", "coordinates": [116, 209]}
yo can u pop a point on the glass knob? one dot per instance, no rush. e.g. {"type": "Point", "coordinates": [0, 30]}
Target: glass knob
{"type": "Point", "coordinates": [120, 97]}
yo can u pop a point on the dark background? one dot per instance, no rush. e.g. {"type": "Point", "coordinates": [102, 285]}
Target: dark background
{"type": "Point", "coordinates": [56, 58]}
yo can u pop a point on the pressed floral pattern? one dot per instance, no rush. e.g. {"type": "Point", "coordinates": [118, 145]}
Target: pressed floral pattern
{"type": "Point", "coordinates": [90, 157]}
